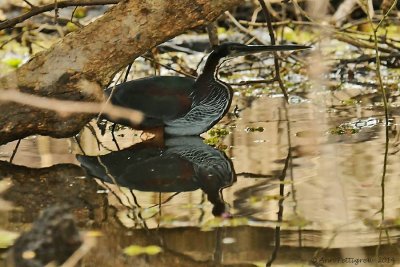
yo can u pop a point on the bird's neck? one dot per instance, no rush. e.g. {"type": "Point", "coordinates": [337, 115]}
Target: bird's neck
{"type": "Point", "coordinates": [211, 67]}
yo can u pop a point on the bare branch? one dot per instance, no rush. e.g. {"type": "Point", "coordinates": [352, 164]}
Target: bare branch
{"type": "Point", "coordinates": [62, 4]}
{"type": "Point", "coordinates": [66, 107]}
{"type": "Point", "coordinates": [29, 3]}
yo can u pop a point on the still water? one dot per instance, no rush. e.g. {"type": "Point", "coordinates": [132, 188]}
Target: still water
{"type": "Point", "coordinates": [291, 184]}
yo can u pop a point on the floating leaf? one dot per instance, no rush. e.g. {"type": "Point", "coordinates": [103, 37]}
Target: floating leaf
{"type": "Point", "coordinates": [297, 220]}
{"type": "Point", "coordinates": [7, 238]}
{"type": "Point", "coordinates": [135, 250]}
{"type": "Point", "coordinates": [71, 27]}
{"type": "Point", "coordinates": [254, 129]}
{"type": "Point", "coordinates": [153, 250]}
{"type": "Point", "coordinates": [80, 12]}
{"type": "Point", "coordinates": [218, 132]}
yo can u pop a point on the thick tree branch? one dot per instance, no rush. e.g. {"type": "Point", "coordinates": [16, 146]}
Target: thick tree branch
{"type": "Point", "coordinates": [94, 54]}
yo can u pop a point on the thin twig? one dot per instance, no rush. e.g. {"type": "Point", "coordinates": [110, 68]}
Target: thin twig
{"type": "Point", "coordinates": [55, 11]}
{"type": "Point", "coordinates": [241, 83]}
{"type": "Point", "coordinates": [262, 24]}
{"type": "Point", "coordinates": [11, 39]}
{"type": "Point", "coordinates": [29, 3]}
{"type": "Point", "coordinates": [169, 67]}
{"type": "Point", "coordinates": [62, 4]}
{"type": "Point", "coordinates": [273, 42]}
{"type": "Point", "coordinates": [243, 29]}
{"type": "Point", "coordinates": [15, 151]}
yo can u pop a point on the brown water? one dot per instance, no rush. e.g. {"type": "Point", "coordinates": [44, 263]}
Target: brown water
{"type": "Point", "coordinates": [302, 192]}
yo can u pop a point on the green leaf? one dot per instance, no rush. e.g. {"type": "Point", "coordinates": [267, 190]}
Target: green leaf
{"type": "Point", "coordinates": [13, 62]}
{"type": "Point", "coordinates": [71, 27]}
{"type": "Point", "coordinates": [80, 12]}
{"type": "Point", "coordinates": [153, 250]}
{"type": "Point", "coordinates": [7, 238]}
{"type": "Point", "coordinates": [135, 250]}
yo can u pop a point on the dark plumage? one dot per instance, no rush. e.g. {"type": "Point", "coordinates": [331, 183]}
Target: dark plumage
{"type": "Point", "coordinates": [184, 164]}
{"type": "Point", "coordinates": [185, 106]}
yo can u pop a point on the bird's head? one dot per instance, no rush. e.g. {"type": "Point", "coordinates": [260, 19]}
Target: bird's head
{"type": "Point", "coordinates": [237, 49]}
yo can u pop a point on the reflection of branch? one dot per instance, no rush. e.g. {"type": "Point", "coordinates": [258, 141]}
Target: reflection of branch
{"type": "Point", "coordinates": [38, 10]}
{"type": "Point", "coordinates": [67, 106]}
{"type": "Point", "coordinates": [280, 211]}
{"type": "Point", "coordinates": [386, 109]}
{"type": "Point", "coordinates": [254, 175]}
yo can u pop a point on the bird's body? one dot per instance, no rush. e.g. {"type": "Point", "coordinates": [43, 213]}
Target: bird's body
{"type": "Point", "coordinates": [184, 106]}
{"type": "Point", "coordinates": [174, 103]}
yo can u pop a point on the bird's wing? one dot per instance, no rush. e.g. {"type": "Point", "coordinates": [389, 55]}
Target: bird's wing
{"type": "Point", "coordinates": [159, 97]}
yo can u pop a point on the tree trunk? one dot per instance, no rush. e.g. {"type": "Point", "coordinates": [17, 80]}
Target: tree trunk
{"type": "Point", "coordinates": [84, 61]}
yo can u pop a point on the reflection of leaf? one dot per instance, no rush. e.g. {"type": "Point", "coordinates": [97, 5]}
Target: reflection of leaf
{"type": "Point", "coordinates": [7, 238]}
{"type": "Point", "coordinates": [371, 222]}
{"type": "Point", "coordinates": [135, 250]}
{"type": "Point", "coordinates": [213, 223]}
{"type": "Point", "coordinates": [220, 222]}
{"type": "Point", "coordinates": [297, 220]}
{"type": "Point", "coordinates": [149, 212]}
{"type": "Point", "coordinates": [258, 263]}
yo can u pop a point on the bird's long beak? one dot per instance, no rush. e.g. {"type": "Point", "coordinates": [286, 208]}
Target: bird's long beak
{"type": "Point", "coordinates": [252, 49]}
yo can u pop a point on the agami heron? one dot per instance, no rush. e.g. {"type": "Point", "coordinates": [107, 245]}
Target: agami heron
{"type": "Point", "coordinates": [182, 105]}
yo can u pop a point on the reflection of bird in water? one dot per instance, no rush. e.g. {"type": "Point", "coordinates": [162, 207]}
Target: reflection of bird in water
{"type": "Point", "coordinates": [184, 164]}
{"type": "Point", "coordinates": [184, 106]}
